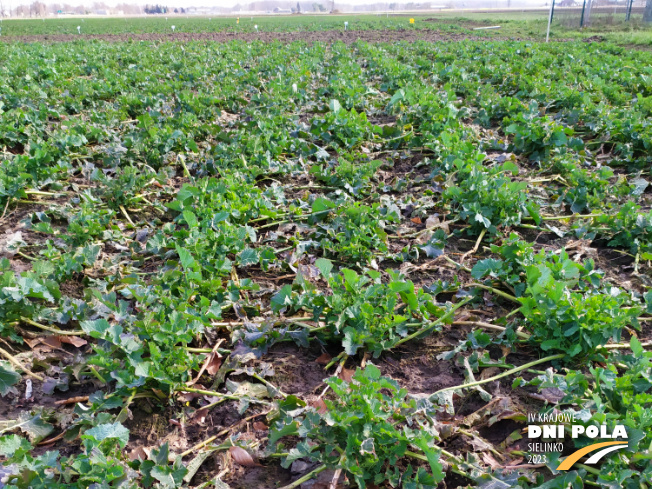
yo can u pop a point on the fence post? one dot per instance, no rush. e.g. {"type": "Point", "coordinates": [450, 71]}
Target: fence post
{"type": "Point", "coordinates": [629, 10]}
{"type": "Point", "coordinates": [552, 9]}
{"type": "Point", "coordinates": [582, 19]}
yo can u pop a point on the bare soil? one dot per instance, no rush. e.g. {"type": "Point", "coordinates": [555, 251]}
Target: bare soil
{"type": "Point", "coordinates": [348, 37]}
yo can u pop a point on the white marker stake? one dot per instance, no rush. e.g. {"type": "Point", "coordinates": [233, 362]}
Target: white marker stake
{"type": "Point", "coordinates": [552, 4]}
{"type": "Point", "coordinates": [78, 29]}
{"type": "Point", "coordinates": [346, 26]}
{"type": "Point", "coordinates": [256, 27]}
{"type": "Point", "coordinates": [295, 89]}
{"type": "Point", "coordinates": [173, 27]}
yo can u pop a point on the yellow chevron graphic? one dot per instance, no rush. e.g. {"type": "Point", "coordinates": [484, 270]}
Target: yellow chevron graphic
{"type": "Point", "coordinates": [575, 456]}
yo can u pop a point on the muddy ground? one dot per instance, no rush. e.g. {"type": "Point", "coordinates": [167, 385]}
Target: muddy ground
{"type": "Point", "coordinates": [347, 37]}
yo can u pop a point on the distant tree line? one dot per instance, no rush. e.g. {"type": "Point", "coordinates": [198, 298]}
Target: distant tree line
{"type": "Point", "coordinates": [155, 9]}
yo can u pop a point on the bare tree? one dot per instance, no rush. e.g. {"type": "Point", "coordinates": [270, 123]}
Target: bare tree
{"type": "Point", "coordinates": [647, 13]}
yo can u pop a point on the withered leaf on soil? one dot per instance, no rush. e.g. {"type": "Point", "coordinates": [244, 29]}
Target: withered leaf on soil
{"type": "Point", "coordinates": [46, 341]}
{"type": "Point", "coordinates": [323, 359]}
{"type": "Point", "coordinates": [242, 457]}
{"type": "Point", "coordinates": [73, 340]}
{"type": "Point", "coordinates": [320, 405]}
{"type": "Point", "coordinates": [346, 374]}
{"type": "Point", "coordinates": [490, 461]}
{"type": "Point", "coordinates": [139, 453]}
{"type": "Point", "coordinates": [260, 426]}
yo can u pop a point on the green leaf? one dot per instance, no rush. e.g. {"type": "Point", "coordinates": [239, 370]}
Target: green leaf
{"type": "Point", "coordinates": [637, 348]}
{"type": "Point", "coordinates": [12, 443]}
{"type": "Point", "coordinates": [534, 214]}
{"type": "Point", "coordinates": [648, 301]}
{"type": "Point", "coordinates": [185, 257]}
{"type": "Point", "coordinates": [110, 430]}
{"type": "Point", "coordinates": [276, 433]}
{"type": "Point", "coordinates": [321, 204]}
{"type": "Point", "coordinates": [282, 298]}
{"type": "Point", "coordinates": [480, 218]}
{"type": "Point", "coordinates": [335, 106]}
{"type": "Point", "coordinates": [35, 427]}
{"type": "Point", "coordinates": [367, 446]}
{"type": "Point", "coordinates": [190, 219]}
{"type": "Point", "coordinates": [433, 458]}
{"type": "Point", "coordinates": [95, 328]}
{"type": "Point", "coordinates": [325, 266]}
{"type": "Point", "coordinates": [31, 288]}
{"type": "Point", "coordinates": [489, 266]}
{"type": "Point", "coordinates": [7, 378]}
{"type": "Point", "coordinates": [248, 256]}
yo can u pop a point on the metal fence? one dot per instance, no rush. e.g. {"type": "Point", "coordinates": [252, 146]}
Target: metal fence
{"type": "Point", "coordinates": [595, 13]}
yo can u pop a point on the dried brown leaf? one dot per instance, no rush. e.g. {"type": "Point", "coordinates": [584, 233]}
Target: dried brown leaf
{"type": "Point", "coordinates": [323, 359]}
{"type": "Point", "coordinates": [490, 461]}
{"type": "Point", "coordinates": [489, 372]}
{"type": "Point", "coordinates": [200, 415]}
{"type": "Point", "coordinates": [32, 342]}
{"type": "Point", "coordinates": [346, 374]}
{"type": "Point", "coordinates": [73, 340]}
{"type": "Point", "coordinates": [242, 457]}
{"type": "Point", "coordinates": [320, 405]}
{"type": "Point", "coordinates": [260, 426]}
{"type": "Point", "coordinates": [139, 453]}
{"type": "Point", "coordinates": [213, 363]}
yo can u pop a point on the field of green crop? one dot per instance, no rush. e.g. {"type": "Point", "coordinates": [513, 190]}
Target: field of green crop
{"type": "Point", "coordinates": [523, 25]}
{"type": "Point", "coordinates": [321, 265]}
{"type": "Point", "coordinates": [161, 24]}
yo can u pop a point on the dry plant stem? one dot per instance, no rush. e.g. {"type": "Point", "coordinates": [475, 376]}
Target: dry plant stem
{"type": "Point", "coordinates": [124, 213]}
{"type": "Point", "coordinates": [342, 356]}
{"type": "Point", "coordinates": [458, 265]}
{"type": "Point", "coordinates": [5, 209]}
{"type": "Point", "coordinates": [18, 365]}
{"type": "Point", "coordinates": [625, 346]}
{"type": "Point", "coordinates": [502, 375]}
{"type": "Point", "coordinates": [435, 323]}
{"type": "Point", "coordinates": [219, 394]}
{"type": "Point", "coordinates": [336, 478]}
{"type": "Point", "coordinates": [493, 327]}
{"type": "Point", "coordinates": [205, 364]}
{"type": "Point", "coordinates": [500, 293]}
{"type": "Point", "coordinates": [199, 445]}
{"type": "Point", "coordinates": [71, 400]}
{"type": "Point", "coordinates": [305, 478]}
{"type": "Point", "coordinates": [221, 433]}
{"type": "Point", "coordinates": [525, 336]}
{"type": "Point", "coordinates": [423, 458]}
{"type": "Point", "coordinates": [270, 385]}
{"type": "Point", "coordinates": [475, 248]}
{"type": "Point", "coordinates": [191, 349]}
{"type": "Point", "coordinates": [50, 441]}
{"type": "Point", "coordinates": [51, 329]}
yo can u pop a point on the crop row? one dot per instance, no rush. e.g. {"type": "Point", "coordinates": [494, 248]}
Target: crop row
{"type": "Point", "coordinates": [160, 180]}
